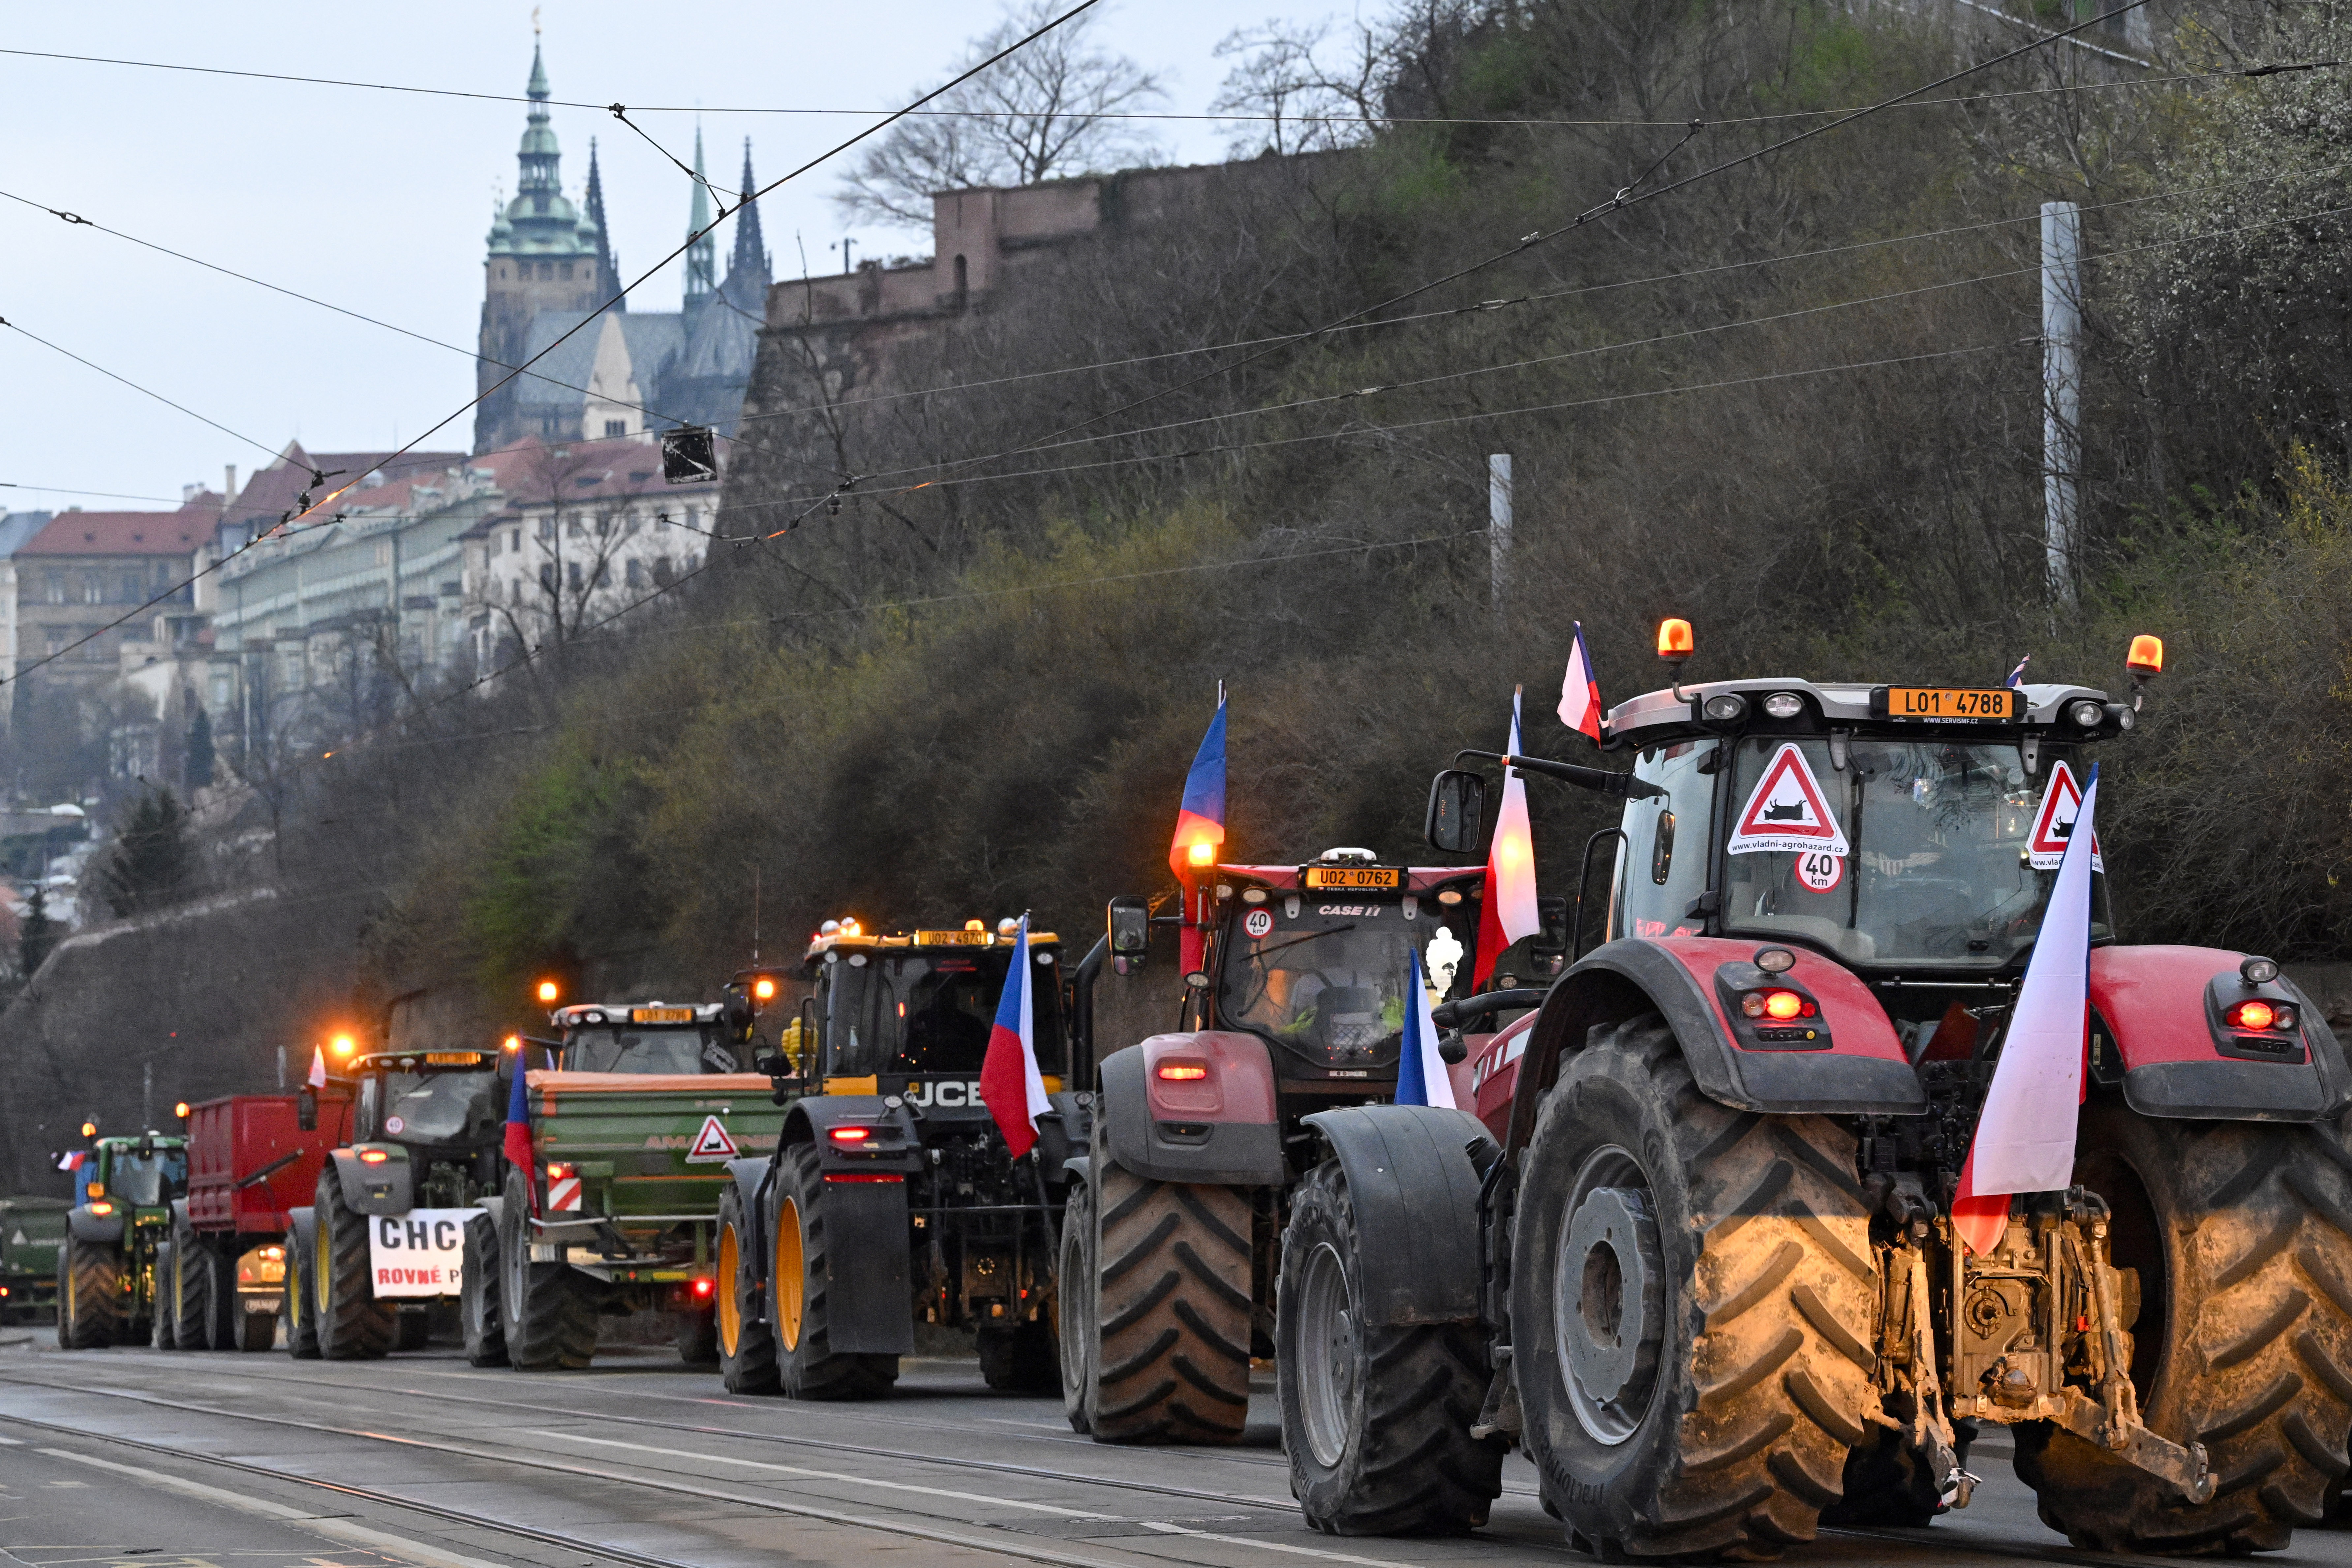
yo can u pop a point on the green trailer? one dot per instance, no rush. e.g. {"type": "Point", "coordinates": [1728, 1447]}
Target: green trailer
{"type": "Point", "coordinates": [32, 1238]}
{"type": "Point", "coordinates": [631, 1125]}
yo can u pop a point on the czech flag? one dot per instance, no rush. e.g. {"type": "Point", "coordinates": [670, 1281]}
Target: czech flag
{"type": "Point", "coordinates": [1421, 1078]}
{"type": "Point", "coordinates": [74, 1159]}
{"type": "Point", "coordinates": [1508, 910]}
{"type": "Point", "coordinates": [1009, 1079]}
{"type": "Point", "coordinates": [519, 1152]}
{"type": "Point", "coordinates": [2017, 676]}
{"type": "Point", "coordinates": [1580, 693]}
{"type": "Point", "coordinates": [2025, 1135]}
{"type": "Point", "coordinates": [1200, 817]}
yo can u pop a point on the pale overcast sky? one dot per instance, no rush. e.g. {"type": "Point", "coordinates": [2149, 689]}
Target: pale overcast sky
{"type": "Point", "coordinates": [379, 202]}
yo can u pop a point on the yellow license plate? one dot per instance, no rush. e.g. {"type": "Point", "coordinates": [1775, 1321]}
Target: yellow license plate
{"type": "Point", "coordinates": [1950, 702]}
{"type": "Point", "coordinates": [1354, 877]}
{"type": "Point", "coordinates": [453, 1058]}
{"type": "Point", "coordinates": [951, 939]}
{"type": "Point", "coordinates": [661, 1015]}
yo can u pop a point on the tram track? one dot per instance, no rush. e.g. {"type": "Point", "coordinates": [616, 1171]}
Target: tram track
{"type": "Point", "coordinates": [1006, 1542]}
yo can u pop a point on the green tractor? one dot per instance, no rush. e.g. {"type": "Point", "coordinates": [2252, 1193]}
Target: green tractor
{"type": "Point", "coordinates": [122, 1214]}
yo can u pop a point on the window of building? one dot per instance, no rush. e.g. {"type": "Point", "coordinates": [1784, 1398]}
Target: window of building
{"type": "Point", "coordinates": [617, 426]}
{"type": "Point", "coordinates": [54, 587]}
{"type": "Point", "coordinates": [133, 592]}
{"type": "Point", "coordinates": [547, 575]}
{"type": "Point", "coordinates": [547, 528]}
{"type": "Point", "coordinates": [604, 574]}
{"type": "Point", "coordinates": [578, 531]}
{"type": "Point", "coordinates": [514, 540]}
{"type": "Point", "coordinates": [572, 573]}
{"type": "Point", "coordinates": [564, 272]}
{"type": "Point", "coordinates": [661, 571]}
{"type": "Point", "coordinates": [93, 592]}
{"type": "Point", "coordinates": [546, 268]}
{"type": "Point", "coordinates": [636, 573]}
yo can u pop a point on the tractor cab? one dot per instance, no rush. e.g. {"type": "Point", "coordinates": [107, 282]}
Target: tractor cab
{"type": "Point", "coordinates": [658, 1037]}
{"type": "Point", "coordinates": [1317, 960]}
{"type": "Point", "coordinates": [439, 1100]}
{"type": "Point", "coordinates": [133, 1176]}
{"type": "Point", "coordinates": [909, 1014]}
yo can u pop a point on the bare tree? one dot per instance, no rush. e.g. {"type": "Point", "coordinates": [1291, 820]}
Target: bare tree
{"type": "Point", "coordinates": [1294, 95]}
{"type": "Point", "coordinates": [1047, 112]}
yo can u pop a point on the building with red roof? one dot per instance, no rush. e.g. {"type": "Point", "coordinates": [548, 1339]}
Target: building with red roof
{"type": "Point", "coordinates": [90, 581]}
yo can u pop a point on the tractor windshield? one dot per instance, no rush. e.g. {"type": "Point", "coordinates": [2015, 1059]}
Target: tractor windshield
{"type": "Point", "coordinates": [931, 1011]}
{"type": "Point", "coordinates": [146, 1181]}
{"type": "Point", "coordinates": [440, 1108]}
{"type": "Point", "coordinates": [1328, 980]}
{"type": "Point", "coordinates": [631, 1051]}
{"type": "Point", "coordinates": [1916, 852]}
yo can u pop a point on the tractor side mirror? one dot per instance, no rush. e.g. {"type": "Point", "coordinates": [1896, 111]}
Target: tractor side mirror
{"type": "Point", "coordinates": [306, 1111]}
{"type": "Point", "coordinates": [1130, 931]}
{"type": "Point", "coordinates": [1457, 808]}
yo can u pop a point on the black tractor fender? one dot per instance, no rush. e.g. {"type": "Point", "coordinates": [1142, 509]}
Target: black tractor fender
{"type": "Point", "coordinates": [1162, 1145]}
{"type": "Point", "coordinates": [376, 1186]}
{"type": "Point", "coordinates": [751, 1178]}
{"type": "Point", "coordinates": [103, 1229]}
{"type": "Point", "coordinates": [302, 1229]}
{"type": "Point", "coordinates": [869, 1266]}
{"type": "Point", "coordinates": [1630, 976]}
{"type": "Point", "coordinates": [1413, 1177]}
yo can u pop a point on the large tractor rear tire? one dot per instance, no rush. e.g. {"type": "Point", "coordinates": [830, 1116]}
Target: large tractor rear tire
{"type": "Point", "coordinates": [1693, 1301]}
{"type": "Point", "coordinates": [162, 1323]}
{"type": "Point", "coordinates": [2242, 1233]}
{"type": "Point", "coordinates": [1376, 1420]}
{"type": "Point", "coordinates": [298, 1306]}
{"type": "Point", "coordinates": [799, 1287]}
{"type": "Point", "coordinates": [92, 1295]}
{"type": "Point", "coordinates": [1172, 1306]}
{"type": "Point", "coordinates": [221, 1319]}
{"type": "Point", "coordinates": [352, 1325]}
{"type": "Point", "coordinates": [1077, 1326]}
{"type": "Point", "coordinates": [746, 1345]}
{"type": "Point", "coordinates": [550, 1320]}
{"type": "Point", "coordinates": [477, 1295]}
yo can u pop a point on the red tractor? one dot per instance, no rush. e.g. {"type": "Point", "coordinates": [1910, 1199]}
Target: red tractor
{"type": "Point", "coordinates": [1698, 1236]}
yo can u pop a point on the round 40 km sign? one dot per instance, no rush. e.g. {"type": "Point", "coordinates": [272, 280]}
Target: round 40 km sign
{"type": "Point", "coordinates": [1820, 870]}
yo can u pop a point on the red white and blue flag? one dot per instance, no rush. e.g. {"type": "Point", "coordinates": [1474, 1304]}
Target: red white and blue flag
{"type": "Point", "coordinates": [2025, 1135]}
{"type": "Point", "coordinates": [2017, 676]}
{"type": "Point", "coordinates": [1010, 1082]}
{"type": "Point", "coordinates": [1421, 1078]}
{"type": "Point", "coordinates": [1507, 913]}
{"type": "Point", "coordinates": [73, 1159]}
{"type": "Point", "coordinates": [1580, 693]}
{"type": "Point", "coordinates": [1200, 815]}
{"type": "Point", "coordinates": [518, 1150]}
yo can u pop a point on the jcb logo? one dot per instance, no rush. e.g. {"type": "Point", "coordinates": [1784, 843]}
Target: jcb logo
{"type": "Point", "coordinates": [927, 1095]}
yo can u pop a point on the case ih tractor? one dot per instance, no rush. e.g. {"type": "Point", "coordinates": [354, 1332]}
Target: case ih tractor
{"type": "Point", "coordinates": [631, 1124]}
{"type": "Point", "coordinates": [1296, 1006]}
{"type": "Point", "coordinates": [1702, 1253]}
{"type": "Point", "coordinates": [107, 1281]}
{"type": "Point", "coordinates": [891, 1197]}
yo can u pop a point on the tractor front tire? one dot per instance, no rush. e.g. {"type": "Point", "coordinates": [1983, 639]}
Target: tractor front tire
{"type": "Point", "coordinates": [800, 1286]}
{"type": "Point", "coordinates": [255, 1331]}
{"type": "Point", "coordinates": [1693, 1298]}
{"type": "Point", "coordinates": [747, 1344]}
{"type": "Point", "coordinates": [1376, 1420]}
{"type": "Point", "coordinates": [1172, 1308]}
{"type": "Point", "coordinates": [298, 1306]}
{"type": "Point", "coordinates": [551, 1321]}
{"type": "Point", "coordinates": [1019, 1358]}
{"type": "Point", "coordinates": [477, 1295]}
{"type": "Point", "coordinates": [91, 1295]}
{"type": "Point", "coordinates": [1077, 1326]}
{"type": "Point", "coordinates": [2242, 1233]}
{"type": "Point", "coordinates": [352, 1325]}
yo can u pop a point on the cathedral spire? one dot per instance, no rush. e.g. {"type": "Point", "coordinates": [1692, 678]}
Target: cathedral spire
{"type": "Point", "coordinates": [607, 263]}
{"type": "Point", "coordinates": [750, 257]}
{"type": "Point", "coordinates": [702, 252]}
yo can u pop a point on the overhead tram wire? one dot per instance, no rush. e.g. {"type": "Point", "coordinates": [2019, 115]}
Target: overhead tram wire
{"type": "Point", "coordinates": [1627, 196]}
{"type": "Point", "coordinates": [2262, 70]}
{"type": "Point", "coordinates": [843, 146]}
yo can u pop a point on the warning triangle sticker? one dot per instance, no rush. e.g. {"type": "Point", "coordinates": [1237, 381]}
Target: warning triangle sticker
{"type": "Point", "coordinates": [2053, 822]}
{"type": "Point", "coordinates": [1787, 812]}
{"type": "Point", "coordinates": [712, 1145]}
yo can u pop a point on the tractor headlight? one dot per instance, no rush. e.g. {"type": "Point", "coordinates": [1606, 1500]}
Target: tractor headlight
{"type": "Point", "coordinates": [2086, 713]}
{"type": "Point", "coordinates": [1726, 707]}
{"type": "Point", "coordinates": [1784, 705]}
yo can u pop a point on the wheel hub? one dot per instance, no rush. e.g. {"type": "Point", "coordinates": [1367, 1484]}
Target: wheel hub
{"type": "Point", "coordinates": [1327, 1376]}
{"type": "Point", "coordinates": [1609, 1290]}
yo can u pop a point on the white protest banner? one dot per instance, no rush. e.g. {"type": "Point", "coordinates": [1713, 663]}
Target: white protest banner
{"type": "Point", "coordinates": [420, 1253]}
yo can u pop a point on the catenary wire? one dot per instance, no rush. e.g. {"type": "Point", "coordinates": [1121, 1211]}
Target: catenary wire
{"type": "Point", "coordinates": [838, 148]}
{"type": "Point", "coordinates": [69, 490]}
{"type": "Point", "coordinates": [2262, 70]}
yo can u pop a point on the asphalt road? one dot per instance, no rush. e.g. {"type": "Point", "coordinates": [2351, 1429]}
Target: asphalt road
{"type": "Point", "coordinates": [137, 1458]}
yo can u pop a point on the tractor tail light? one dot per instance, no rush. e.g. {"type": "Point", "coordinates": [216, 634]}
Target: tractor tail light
{"type": "Point", "coordinates": [2261, 1014]}
{"type": "Point", "coordinates": [101, 1208]}
{"type": "Point", "coordinates": [1778, 1005]}
{"type": "Point", "coordinates": [557, 1171]}
{"type": "Point", "coordinates": [1183, 1072]}
{"type": "Point", "coordinates": [373, 1156]}
{"type": "Point", "coordinates": [851, 1135]}
{"type": "Point", "coordinates": [702, 1287]}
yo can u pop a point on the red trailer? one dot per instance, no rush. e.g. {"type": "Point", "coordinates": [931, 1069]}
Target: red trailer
{"type": "Point", "coordinates": [251, 1158]}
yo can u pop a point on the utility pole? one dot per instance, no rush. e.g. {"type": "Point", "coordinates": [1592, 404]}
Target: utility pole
{"type": "Point", "coordinates": [2061, 391]}
{"type": "Point", "coordinates": [1498, 524]}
